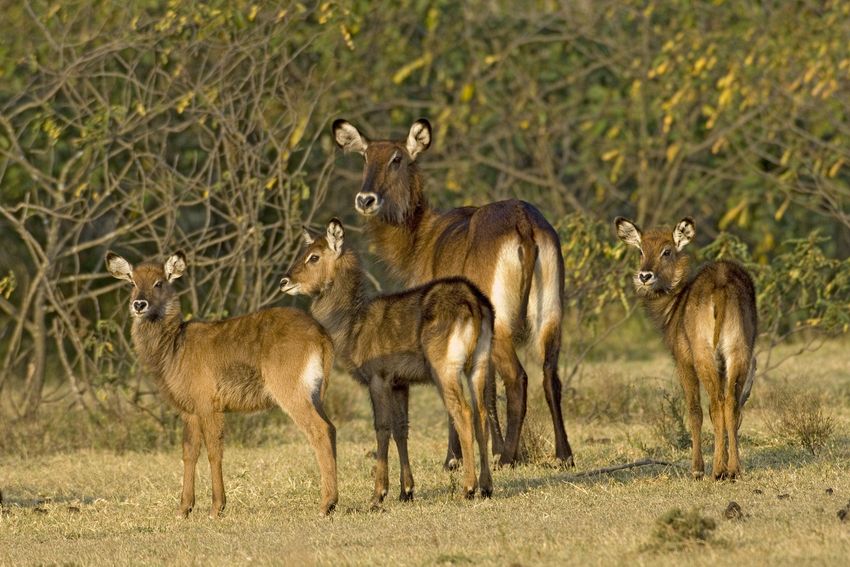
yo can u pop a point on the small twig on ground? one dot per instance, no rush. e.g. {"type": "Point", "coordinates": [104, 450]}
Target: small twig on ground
{"type": "Point", "coordinates": [640, 463]}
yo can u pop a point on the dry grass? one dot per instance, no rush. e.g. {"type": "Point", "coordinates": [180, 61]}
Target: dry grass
{"type": "Point", "coordinates": [104, 507]}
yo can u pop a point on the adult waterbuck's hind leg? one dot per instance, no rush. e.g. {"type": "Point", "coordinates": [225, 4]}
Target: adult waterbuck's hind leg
{"type": "Point", "coordinates": [191, 451]}
{"type": "Point", "coordinates": [690, 386]}
{"type": "Point", "coordinates": [737, 372]}
{"type": "Point", "coordinates": [552, 389]}
{"type": "Point", "coordinates": [516, 388]}
{"type": "Point", "coordinates": [401, 397]}
{"type": "Point", "coordinates": [212, 426]}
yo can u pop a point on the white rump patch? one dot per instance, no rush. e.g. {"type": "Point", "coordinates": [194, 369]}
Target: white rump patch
{"type": "Point", "coordinates": [504, 294]}
{"type": "Point", "coordinates": [313, 373]}
{"type": "Point", "coordinates": [544, 305]}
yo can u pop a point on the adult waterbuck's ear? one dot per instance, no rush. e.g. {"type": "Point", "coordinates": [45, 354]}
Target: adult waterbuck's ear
{"type": "Point", "coordinates": [348, 137]}
{"type": "Point", "coordinates": [119, 267]}
{"type": "Point", "coordinates": [419, 138]}
{"type": "Point", "coordinates": [627, 231]}
{"type": "Point", "coordinates": [335, 235]}
{"type": "Point", "coordinates": [684, 232]}
{"type": "Point", "coordinates": [175, 266]}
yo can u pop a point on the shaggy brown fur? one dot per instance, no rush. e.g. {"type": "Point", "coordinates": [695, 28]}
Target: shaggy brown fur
{"type": "Point", "coordinates": [506, 248]}
{"type": "Point", "coordinates": [254, 362]}
{"type": "Point", "coordinates": [439, 331]}
{"type": "Point", "coordinates": [709, 324]}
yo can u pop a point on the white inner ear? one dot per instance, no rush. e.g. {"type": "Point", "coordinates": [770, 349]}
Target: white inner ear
{"type": "Point", "coordinates": [683, 234]}
{"type": "Point", "coordinates": [307, 238]}
{"type": "Point", "coordinates": [335, 238]}
{"type": "Point", "coordinates": [418, 139]}
{"type": "Point", "coordinates": [629, 234]}
{"type": "Point", "coordinates": [174, 267]}
{"type": "Point", "coordinates": [349, 138]}
{"type": "Point", "coordinates": [120, 268]}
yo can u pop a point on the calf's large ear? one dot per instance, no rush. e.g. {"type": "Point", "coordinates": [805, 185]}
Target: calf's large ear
{"type": "Point", "coordinates": [684, 232]}
{"type": "Point", "coordinates": [175, 266]}
{"type": "Point", "coordinates": [335, 235]}
{"type": "Point", "coordinates": [628, 232]}
{"type": "Point", "coordinates": [119, 267]}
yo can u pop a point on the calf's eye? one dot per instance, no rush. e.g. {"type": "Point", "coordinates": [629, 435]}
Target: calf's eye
{"type": "Point", "coordinates": [666, 252]}
{"type": "Point", "coordinates": [158, 283]}
{"type": "Point", "coordinates": [313, 259]}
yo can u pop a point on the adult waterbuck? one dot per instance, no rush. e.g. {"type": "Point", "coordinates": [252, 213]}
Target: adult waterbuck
{"type": "Point", "coordinates": [709, 324]}
{"type": "Point", "coordinates": [507, 249]}
{"type": "Point", "coordinates": [440, 332]}
{"type": "Point", "coordinates": [272, 357]}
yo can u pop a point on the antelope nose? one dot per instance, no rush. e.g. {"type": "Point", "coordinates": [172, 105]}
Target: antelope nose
{"type": "Point", "coordinates": [284, 282]}
{"type": "Point", "coordinates": [365, 201]}
{"type": "Point", "coordinates": [645, 276]}
{"type": "Point", "coordinates": [140, 305]}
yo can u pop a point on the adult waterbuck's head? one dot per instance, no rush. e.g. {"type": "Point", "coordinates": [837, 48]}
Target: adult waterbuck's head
{"type": "Point", "coordinates": [153, 297]}
{"type": "Point", "coordinates": [663, 264]}
{"type": "Point", "coordinates": [391, 187]}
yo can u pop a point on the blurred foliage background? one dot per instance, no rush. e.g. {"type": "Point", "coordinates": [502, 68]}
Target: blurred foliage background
{"type": "Point", "coordinates": [155, 125]}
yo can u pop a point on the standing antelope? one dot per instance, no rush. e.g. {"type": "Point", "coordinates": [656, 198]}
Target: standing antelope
{"type": "Point", "coordinates": [506, 248]}
{"type": "Point", "coordinates": [437, 332]}
{"type": "Point", "coordinates": [272, 357]}
{"type": "Point", "coordinates": [709, 324]}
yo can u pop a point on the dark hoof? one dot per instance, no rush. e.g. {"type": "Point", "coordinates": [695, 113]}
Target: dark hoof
{"type": "Point", "coordinates": [452, 464]}
{"type": "Point", "coordinates": [566, 463]}
{"type": "Point", "coordinates": [486, 492]}
{"type": "Point", "coordinates": [697, 475]}
{"type": "Point", "coordinates": [406, 495]}
{"type": "Point", "coordinates": [469, 494]}
{"type": "Point", "coordinates": [327, 510]}
{"type": "Point", "coordinates": [506, 461]}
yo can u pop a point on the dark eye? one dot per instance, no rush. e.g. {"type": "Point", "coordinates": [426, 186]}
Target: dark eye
{"type": "Point", "coordinates": [158, 283]}
{"type": "Point", "coordinates": [666, 252]}
{"type": "Point", "coordinates": [396, 159]}
{"type": "Point", "coordinates": [313, 259]}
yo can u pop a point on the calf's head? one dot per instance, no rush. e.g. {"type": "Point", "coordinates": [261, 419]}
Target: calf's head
{"type": "Point", "coordinates": [663, 264]}
{"type": "Point", "coordinates": [153, 296]}
{"type": "Point", "coordinates": [390, 188]}
{"type": "Point", "coordinates": [314, 268]}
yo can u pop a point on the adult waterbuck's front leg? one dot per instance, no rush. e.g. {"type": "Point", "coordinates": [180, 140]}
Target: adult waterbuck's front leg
{"type": "Point", "coordinates": [191, 451]}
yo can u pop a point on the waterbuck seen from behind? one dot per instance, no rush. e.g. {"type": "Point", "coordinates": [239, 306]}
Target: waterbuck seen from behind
{"type": "Point", "coordinates": [709, 323]}
{"type": "Point", "coordinates": [272, 357]}
{"type": "Point", "coordinates": [507, 249]}
{"type": "Point", "coordinates": [441, 331]}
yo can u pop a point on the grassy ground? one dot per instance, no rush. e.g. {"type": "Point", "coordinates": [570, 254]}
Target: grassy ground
{"type": "Point", "coordinates": [102, 507]}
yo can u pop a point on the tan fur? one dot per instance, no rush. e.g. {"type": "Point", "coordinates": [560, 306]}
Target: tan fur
{"type": "Point", "coordinates": [709, 323]}
{"type": "Point", "coordinates": [273, 357]}
{"type": "Point", "coordinates": [440, 332]}
{"type": "Point", "coordinates": [420, 244]}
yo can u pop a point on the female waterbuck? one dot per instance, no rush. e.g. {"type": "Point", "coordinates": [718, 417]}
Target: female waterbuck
{"type": "Point", "coordinates": [506, 248]}
{"type": "Point", "coordinates": [272, 357]}
{"type": "Point", "coordinates": [709, 324]}
{"type": "Point", "coordinates": [439, 331]}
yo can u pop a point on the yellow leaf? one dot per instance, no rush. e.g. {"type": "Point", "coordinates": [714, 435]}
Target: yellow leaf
{"type": "Point", "coordinates": [610, 154]}
{"type": "Point", "coordinates": [672, 151]}
{"type": "Point", "coordinates": [271, 183]}
{"type": "Point", "coordinates": [467, 92]}
{"type": "Point", "coordinates": [732, 213]}
{"type": "Point", "coordinates": [836, 167]}
{"type": "Point", "coordinates": [406, 70]}
{"type": "Point", "coordinates": [780, 212]}
{"type": "Point", "coordinates": [298, 131]}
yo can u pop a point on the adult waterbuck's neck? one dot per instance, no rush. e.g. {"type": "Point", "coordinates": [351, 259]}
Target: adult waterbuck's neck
{"type": "Point", "coordinates": [662, 276]}
{"type": "Point", "coordinates": [154, 307]}
{"type": "Point", "coordinates": [392, 196]}
{"type": "Point", "coordinates": [334, 279]}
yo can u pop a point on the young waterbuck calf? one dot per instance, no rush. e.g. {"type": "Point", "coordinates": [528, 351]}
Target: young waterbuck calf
{"type": "Point", "coordinates": [709, 324]}
{"type": "Point", "coordinates": [506, 248]}
{"type": "Point", "coordinates": [254, 362]}
{"type": "Point", "coordinates": [439, 331]}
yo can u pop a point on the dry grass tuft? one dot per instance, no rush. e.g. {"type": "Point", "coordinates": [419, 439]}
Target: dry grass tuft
{"type": "Point", "coordinates": [799, 417]}
{"type": "Point", "coordinates": [676, 528]}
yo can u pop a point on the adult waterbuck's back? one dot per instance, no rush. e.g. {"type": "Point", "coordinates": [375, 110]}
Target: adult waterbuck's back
{"type": "Point", "coordinates": [709, 324]}
{"type": "Point", "coordinates": [272, 357]}
{"type": "Point", "coordinates": [507, 249]}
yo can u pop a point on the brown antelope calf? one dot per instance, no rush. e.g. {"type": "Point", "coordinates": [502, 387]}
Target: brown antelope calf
{"type": "Point", "coordinates": [254, 362]}
{"type": "Point", "coordinates": [507, 249]}
{"type": "Point", "coordinates": [437, 332]}
{"type": "Point", "coordinates": [709, 324]}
